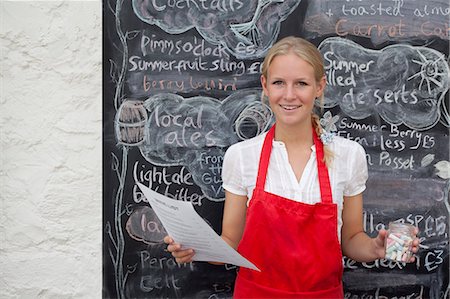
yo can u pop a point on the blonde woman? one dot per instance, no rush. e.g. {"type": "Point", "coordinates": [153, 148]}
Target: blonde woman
{"type": "Point", "coordinates": [294, 205]}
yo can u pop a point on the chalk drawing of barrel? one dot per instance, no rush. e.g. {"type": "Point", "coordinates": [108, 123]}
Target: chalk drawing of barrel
{"type": "Point", "coordinates": [129, 123]}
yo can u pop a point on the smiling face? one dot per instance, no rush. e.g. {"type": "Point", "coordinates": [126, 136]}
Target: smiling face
{"type": "Point", "coordinates": [291, 86]}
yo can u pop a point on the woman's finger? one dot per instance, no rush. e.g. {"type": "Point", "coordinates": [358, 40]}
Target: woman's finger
{"type": "Point", "coordinates": [183, 253]}
{"type": "Point", "coordinates": [168, 240]}
{"type": "Point", "coordinates": [173, 247]}
{"type": "Point", "coordinates": [184, 256]}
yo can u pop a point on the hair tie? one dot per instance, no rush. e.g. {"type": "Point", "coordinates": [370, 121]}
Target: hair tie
{"type": "Point", "coordinates": [326, 137]}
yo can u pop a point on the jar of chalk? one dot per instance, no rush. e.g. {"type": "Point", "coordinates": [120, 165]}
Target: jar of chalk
{"type": "Point", "coordinates": [398, 242]}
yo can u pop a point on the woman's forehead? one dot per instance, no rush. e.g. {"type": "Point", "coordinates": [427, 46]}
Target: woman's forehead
{"type": "Point", "coordinates": [290, 63]}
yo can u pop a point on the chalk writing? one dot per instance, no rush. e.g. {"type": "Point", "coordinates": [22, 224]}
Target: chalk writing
{"type": "Point", "coordinates": [393, 139]}
{"type": "Point", "coordinates": [198, 64]}
{"type": "Point", "coordinates": [156, 62]}
{"type": "Point", "coordinates": [158, 176]}
{"type": "Point", "coordinates": [412, 208]}
{"type": "Point", "coordinates": [428, 261]}
{"type": "Point", "coordinates": [179, 90]}
{"type": "Point", "coordinates": [430, 226]}
{"type": "Point", "coordinates": [403, 84]}
{"type": "Point", "coordinates": [207, 169]}
{"type": "Point", "coordinates": [245, 28]}
{"type": "Point", "coordinates": [149, 261]}
{"type": "Point", "coordinates": [381, 21]}
{"type": "Point", "coordinates": [173, 185]}
{"type": "Point", "coordinates": [354, 8]}
{"type": "Point", "coordinates": [151, 85]}
{"type": "Point", "coordinates": [150, 43]}
{"type": "Point", "coordinates": [379, 294]}
{"type": "Point", "coordinates": [158, 281]}
{"type": "Point", "coordinates": [195, 132]}
{"type": "Point", "coordinates": [143, 225]}
{"type": "Point", "coordinates": [387, 144]}
{"type": "Point", "coordinates": [223, 6]}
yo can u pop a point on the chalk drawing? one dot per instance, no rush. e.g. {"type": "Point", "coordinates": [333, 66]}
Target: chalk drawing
{"type": "Point", "coordinates": [143, 225]}
{"type": "Point", "coordinates": [248, 32]}
{"type": "Point", "coordinates": [195, 132]}
{"type": "Point", "coordinates": [245, 28]}
{"type": "Point", "coordinates": [379, 20]}
{"type": "Point", "coordinates": [401, 83]}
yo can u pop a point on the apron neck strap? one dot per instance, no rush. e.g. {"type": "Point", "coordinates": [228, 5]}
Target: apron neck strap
{"type": "Point", "coordinates": [264, 159]}
{"type": "Point", "coordinates": [324, 180]}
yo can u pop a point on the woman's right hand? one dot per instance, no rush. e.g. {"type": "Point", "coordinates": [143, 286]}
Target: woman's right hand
{"type": "Point", "coordinates": [180, 255]}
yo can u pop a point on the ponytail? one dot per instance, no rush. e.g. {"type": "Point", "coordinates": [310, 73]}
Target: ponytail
{"type": "Point", "coordinates": [327, 153]}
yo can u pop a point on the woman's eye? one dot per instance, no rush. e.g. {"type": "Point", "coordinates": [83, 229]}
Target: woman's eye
{"type": "Point", "coordinates": [277, 82]}
{"type": "Point", "coordinates": [302, 83]}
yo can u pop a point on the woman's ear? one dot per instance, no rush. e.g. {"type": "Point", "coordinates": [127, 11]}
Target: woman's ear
{"type": "Point", "coordinates": [321, 87]}
{"type": "Point", "coordinates": [264, 84]}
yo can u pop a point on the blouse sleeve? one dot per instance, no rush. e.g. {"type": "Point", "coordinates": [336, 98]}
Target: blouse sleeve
{"type": "Point", "coordinates": [232, 171]}
{"type": "Point", "coordinates": [358, 172]}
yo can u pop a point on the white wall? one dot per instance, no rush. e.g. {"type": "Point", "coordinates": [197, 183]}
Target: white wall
{"type": "Point", "coordinates": [50, 150]}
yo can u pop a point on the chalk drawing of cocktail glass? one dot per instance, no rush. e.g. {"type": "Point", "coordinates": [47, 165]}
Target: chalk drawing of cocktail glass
{"type": "Point", "coordinates": [248, 32]}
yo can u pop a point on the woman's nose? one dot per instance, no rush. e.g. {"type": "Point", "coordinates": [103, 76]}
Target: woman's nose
{"type": "Point", "coordinates": [290, 92]}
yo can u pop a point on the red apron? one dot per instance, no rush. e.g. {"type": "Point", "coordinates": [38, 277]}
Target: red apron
{"type": "Point", "coordinates": [295, 245]}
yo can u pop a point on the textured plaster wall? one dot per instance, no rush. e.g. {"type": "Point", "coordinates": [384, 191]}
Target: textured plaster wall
{"type": "Point", "coordinates": [50, 150]}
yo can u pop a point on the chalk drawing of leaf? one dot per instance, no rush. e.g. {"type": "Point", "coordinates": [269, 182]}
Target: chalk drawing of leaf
{"type": "Point", "coordinates": [132, 34]}
{"type": "Point", "coordinates": [427, 160]}
{"type": "Point", "coordinates": [115, 162]}
{"type": "Point", "coordinates": [443, 169]}
{"type": "Point", "coordinates": [113, 71]}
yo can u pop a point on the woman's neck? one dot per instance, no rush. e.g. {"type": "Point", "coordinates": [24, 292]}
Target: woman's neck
{"type": "Point", "coordinates": [298, 135]}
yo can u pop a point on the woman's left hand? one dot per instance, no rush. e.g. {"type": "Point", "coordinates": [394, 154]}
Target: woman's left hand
{"type": "Point", "coordinates": [381, 250]}
{"type": "Point", "coordinates": [379, 241]}
{"type": "Point", "coordinates": [415, 245]}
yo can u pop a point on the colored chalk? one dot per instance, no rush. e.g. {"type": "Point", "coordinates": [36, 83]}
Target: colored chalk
{"type": "Point", "coordinates": [398, 243]}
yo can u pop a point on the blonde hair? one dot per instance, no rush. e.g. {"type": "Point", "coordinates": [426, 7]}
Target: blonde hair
{"type": "Point", "coordinates": [309, 53]}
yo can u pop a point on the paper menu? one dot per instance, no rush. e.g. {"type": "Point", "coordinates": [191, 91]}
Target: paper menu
{"type": "Point", "coordinates": [186, 227]}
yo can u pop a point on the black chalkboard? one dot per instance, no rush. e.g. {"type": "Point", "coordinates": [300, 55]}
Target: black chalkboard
{"type": "Point", "coordinates": [181, 84]}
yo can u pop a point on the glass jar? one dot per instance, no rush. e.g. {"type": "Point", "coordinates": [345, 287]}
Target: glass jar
{"type": "Point", "coordinates": [398, 242]}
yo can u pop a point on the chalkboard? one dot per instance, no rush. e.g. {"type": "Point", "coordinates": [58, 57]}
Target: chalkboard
{"type": "Point", "coordinates": [181, 84]}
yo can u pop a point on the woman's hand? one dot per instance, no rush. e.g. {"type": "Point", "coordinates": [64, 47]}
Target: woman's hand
{"type": "Point", "coordinates": [415, 244]}
{"type": "Point", "coordinates": [180, 255]}
{"type": "Point", "coordinates": [379, 243]}
{"type": "Point", "coordinates": [380, 240]}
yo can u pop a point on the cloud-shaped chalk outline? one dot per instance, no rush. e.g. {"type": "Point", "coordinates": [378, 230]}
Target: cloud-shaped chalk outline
{"type": "Point", "coordinates": [245, 28]}
{"type": "Point", "coordinates": [181, 131]}
{"type": "Point", "coordinates": [419, 73]}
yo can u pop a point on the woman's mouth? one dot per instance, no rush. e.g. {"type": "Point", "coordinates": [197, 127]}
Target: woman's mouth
{"type": "Point", "coordinates": [290, 107]}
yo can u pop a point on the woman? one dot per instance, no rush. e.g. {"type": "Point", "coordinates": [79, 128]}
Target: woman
{"type": "Point", "coordinates": [293, 206]}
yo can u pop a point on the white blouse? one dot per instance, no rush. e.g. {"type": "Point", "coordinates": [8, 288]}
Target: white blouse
{"type": "Point", "coordinates": [348, 172]}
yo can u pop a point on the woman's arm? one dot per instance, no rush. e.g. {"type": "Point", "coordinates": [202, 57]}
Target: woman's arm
{"type": "Point", "coordinates": [356, 244]}
{"type": "Point", "coordinates": [233, 223]}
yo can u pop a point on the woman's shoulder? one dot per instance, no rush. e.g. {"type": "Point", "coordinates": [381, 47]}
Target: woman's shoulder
{"type": "Point", "coordinates": [248, 144]}
{"type": "Point", "coordinates": [344, 145]}
{"type": "Point", "coordinates": [244, 152]}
